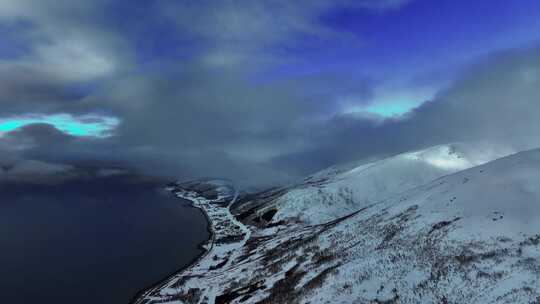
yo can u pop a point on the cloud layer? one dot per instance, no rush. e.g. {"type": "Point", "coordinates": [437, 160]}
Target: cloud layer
{"type": "Point", "coordinates": [207, 89]}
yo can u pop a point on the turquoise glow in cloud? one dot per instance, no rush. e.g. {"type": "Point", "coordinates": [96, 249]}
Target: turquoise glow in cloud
{"type": "Point", "coordinates": [395, 104]}
{"type": "Point", "coordinates": [85, 125]}
{"type": "Point", "coordinates": [391, 109]}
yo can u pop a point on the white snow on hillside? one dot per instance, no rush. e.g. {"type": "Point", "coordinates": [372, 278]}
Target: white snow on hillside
{"type": "Point", "coordinates": [333, 193]}
{"type": "Point", "coordinates": [469, 237]}
{"type": "Point", "coordinates": [472, 237]}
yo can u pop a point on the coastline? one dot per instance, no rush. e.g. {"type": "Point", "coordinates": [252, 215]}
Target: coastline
{"type": "Point", "coordinates": [227, 238]}
{"type": "Point", "coordinates": [205, 246]}
{"type": "Point", "coordinates": [223, 250]}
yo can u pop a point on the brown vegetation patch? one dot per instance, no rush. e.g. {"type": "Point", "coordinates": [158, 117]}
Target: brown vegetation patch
{"type": "Point", "coordinates": [442, 224]}
{"type": "Point", "coordinates": [283, 291]}
{"type": "Point", "coordinates": [230, 295]}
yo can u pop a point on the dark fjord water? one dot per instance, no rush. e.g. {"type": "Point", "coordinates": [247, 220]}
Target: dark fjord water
{"type": "Point", "coordinates": [92, 240]}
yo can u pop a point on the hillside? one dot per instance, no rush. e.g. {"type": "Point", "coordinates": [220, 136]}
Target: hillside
{"type": "Point", "coordinates": [469, 237]}
{"type": "Point", "coordinates": [338, 191]}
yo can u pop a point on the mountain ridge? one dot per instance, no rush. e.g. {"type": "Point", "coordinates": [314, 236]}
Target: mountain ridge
{"type": "Point", "coordinates": [472, 236]}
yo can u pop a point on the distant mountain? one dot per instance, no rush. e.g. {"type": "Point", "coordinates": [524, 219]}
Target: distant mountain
{"type": "Point", "coordinates": [393, 231]}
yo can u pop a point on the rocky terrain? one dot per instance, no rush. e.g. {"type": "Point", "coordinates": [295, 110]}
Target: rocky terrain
{"type": "Point", "coordinates": [433, 226]}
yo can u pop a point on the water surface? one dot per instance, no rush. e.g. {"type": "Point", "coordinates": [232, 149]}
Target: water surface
{"type": "Point", "coordinates": [92, 240]}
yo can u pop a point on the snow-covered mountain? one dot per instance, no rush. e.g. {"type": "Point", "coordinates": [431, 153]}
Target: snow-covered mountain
{"type": "Point", "coordinates": [469, 237]}
{"type": "Point", "coordinates": [338, 191]}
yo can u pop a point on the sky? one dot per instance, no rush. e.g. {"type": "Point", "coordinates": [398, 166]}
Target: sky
{"type": "Point", "coordinates": [262, 92]}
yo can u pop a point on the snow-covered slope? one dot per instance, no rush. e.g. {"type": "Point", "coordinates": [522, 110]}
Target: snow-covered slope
{"type": "Point", "coordinates": [469, 237]}
{"type": "Point", "coordinates": [472, 237]}
{"type": "Point", "coordinates": [337, 192]}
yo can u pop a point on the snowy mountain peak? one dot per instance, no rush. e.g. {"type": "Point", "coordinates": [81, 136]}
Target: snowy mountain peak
{"type": "Point", "coordinates": [335, 192]}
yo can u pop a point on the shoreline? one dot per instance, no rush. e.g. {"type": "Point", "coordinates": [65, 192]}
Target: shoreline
{"type": "Point", "coordinates": [139, 296]}
{"type": "Point", "coordinates": [228, 237]}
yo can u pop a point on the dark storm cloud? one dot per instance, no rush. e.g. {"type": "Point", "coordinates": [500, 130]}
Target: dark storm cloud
{"type": "Point", "coordinates": [218, 111]}
{"type": "Point", "coordinates": [38, 134]}
{"type": "Point", "coordinates": [64, 47]}
{"type": "Point", "coordinates": [26, 88]}
{"type": "Point", "coordinates": [217, 114]}
{"type": "Point", "coordinates": [16, 166]}
{"type": "Point", "coordinates": [496, 101]}
{"type": "Point", "coordinates": [216, 125]}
